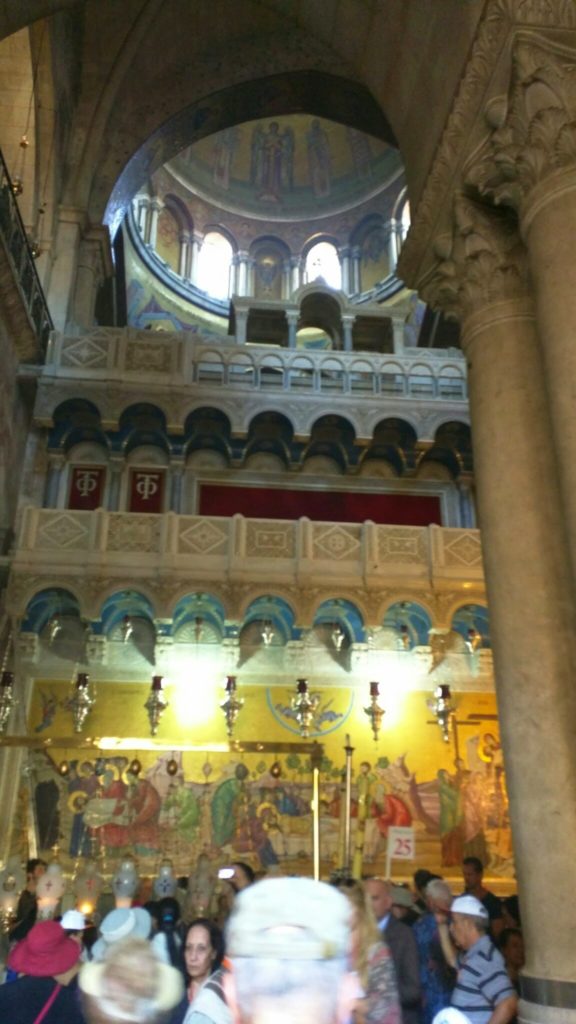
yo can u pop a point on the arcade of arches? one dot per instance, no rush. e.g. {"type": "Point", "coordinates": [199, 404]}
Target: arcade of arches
{"type": "Point", "coordinates": [286, 393]}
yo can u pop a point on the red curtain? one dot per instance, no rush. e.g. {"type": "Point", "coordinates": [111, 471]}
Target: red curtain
{"type": "Point", "coordinates": [326, 506]}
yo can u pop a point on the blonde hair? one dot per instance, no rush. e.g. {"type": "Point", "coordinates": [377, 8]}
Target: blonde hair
{"type": "Point", "coordinates": [369, 933]}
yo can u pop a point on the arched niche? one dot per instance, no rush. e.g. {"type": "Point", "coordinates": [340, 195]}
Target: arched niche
{"type": "Point", "coordinates": [411, 623]}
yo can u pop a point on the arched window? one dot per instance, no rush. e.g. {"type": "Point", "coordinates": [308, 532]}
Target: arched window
{"type": "Point", "coordinates": [322, 261]}
{"type": "Point", "coordinates": [214, 263]}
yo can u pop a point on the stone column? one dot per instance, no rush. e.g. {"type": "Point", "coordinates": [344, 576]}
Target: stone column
{"type": "Point", "coordinates": [62, 270]}
{"type": "Point", "coordinates": [94, 264]}
{"type": "Point", "coordinates": [485, 280]}
{"type": "Point", "coordinates": [56, 463]}
{"type": "Point", "coordinates": [116, 469]}
{"type": "Point", "coordinates": [344, 254]}
{"type": "Point", "coordinates": [250, 276]}
{"type": "Point", "coordinates": [184, 255]}
{"type": "Point", "coordinates": [356, 255]}
{"type": "Point", "coordinates": [296, 266]}
{"type": "Point", "coordinates": [347, 326]}
{"type": "Point", "coordinates": [532, 167]}
{"type": "Point", "coordinates": [286, 279]}
{"type": "Point", "coordinates": [176, 476]}
{"type": "Point", "coordinates": [466, 503]}
{"type": "Point", "coordinates": [398, 324]}
{"type": "Point", "coordinates": [393, 246]}
{"type": "Point", "coordinates": [196, 243]}
{"type": "Point", "coordinates": [142, 213]}
{"type": "Point", "coordinates": [152, 228]}
{"type": "Point", "coordinates": [242, 274]}
{"type": "Point", "coordinates": [292, 317]}
{"type": "Point", "coordinates": [241, 325]}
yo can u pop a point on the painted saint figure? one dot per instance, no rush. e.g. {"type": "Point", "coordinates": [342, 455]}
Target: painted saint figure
{"type": "Point", "coordinates": [272, 161]}
{"type": "Point", "coordinates": [319, 160]}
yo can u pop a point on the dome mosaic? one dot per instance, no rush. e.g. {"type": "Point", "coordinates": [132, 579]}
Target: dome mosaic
{"type": "Point", "coordinates": [288, 168]}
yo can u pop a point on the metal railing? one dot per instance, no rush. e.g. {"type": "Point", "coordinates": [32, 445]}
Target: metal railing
{"type": "Point", "coordinates": [13, 235]}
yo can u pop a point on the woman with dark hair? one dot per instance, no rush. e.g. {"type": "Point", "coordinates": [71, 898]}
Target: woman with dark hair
{"type": "Point", "coordinates": [167, 943]}
{"type": "Point", "coordinates": [203, 954]}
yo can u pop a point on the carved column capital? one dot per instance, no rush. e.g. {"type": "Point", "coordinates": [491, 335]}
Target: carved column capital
{"type": "Point", "coordinates": [533, 128]}
{"type": "Point", "coordinates": [483, 261]}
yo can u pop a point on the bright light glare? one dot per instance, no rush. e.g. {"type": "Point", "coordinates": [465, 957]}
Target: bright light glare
{"type": "Point", "coordinates": [322, 261]}
{"type": "Point", "coordinates": [195, 700]}
{"type": "Point", "coordinates": [139, 743]}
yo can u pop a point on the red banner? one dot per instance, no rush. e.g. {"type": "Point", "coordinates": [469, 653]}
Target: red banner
{"type": "Point", "coordinates": [86, 487]}
{"type": "Point", "coordinates": [326, 506]}
{"type": "Point", "coordinates": [147, 490]}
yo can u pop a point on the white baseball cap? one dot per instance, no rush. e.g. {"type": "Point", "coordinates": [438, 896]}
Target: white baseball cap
{"type": "Point", "coordinates": [73, 921]}
{"type": "Point", "coordinates": [469, 905]}
{"type": "Point", "coordinates": [451, 1016]}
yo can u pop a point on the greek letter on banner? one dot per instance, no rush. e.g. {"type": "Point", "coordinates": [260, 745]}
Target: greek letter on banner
{"type": "Point", "coordinates": [86, 487]}
{"type": "Point", "coordinates": [147, 490]}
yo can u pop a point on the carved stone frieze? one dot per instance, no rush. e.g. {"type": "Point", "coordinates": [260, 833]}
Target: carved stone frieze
{"type": "Point", "coordinates": [133, 533]}
{"type": "Point", "coordinates": [501, 19]}
{"type": "Point", "coordinates": [401, 546]}
{"type": "Point", "coordinates": [553, 13]}
{"type": "Point", "coordinates": [84, 353]}
{"type": "Point", "coordinates": [484, 261]}
{"type": "Point", "coordinates": [153, 357]}
{"type": "Point", "coordinates": [270, 540]}
{"type": "Point", "coordinates": [335, 541]}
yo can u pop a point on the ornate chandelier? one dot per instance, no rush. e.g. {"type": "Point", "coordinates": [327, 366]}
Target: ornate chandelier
{"type": "Point", "coordinates": [443, 708]}
{"type": "Point", "coordinates": [156, 704]}
{"type": "Point", "coordinates": [374, 711]}
{"type": "Point", "coordinates": [231, 705]}
{"type": "Point", "coordinates": [81, 702]}
{"type": "Point", "coordinates": [305, 705]}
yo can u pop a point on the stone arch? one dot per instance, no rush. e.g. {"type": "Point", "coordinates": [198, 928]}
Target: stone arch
{"type": "Point", "coordinates": [452, 448]}
{"type": "Point", "coordinates": [315, 91]}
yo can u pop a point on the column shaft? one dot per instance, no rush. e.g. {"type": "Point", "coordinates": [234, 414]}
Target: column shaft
{"type": "Point", "coordinates": [532, 621]}
{"type": "Point", "coordinates": [549, 227]}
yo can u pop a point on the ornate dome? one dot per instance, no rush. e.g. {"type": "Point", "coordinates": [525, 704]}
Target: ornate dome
{"type": "Point", "coordinates": [289, 168]}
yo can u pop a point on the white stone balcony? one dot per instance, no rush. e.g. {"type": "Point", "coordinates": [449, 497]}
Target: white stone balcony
{"type": "Point", "coordinates": [184, 358]}
{"type": "Point", "coordinates": [179, 370]}
{"type": "Point", "coordinates": [123, 546]}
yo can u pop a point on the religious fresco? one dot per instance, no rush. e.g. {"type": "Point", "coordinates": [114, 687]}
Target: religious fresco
{"type": "Point", "coordinates": [290, 166]}
{"type": "Point", "coordinates": [256, 806]}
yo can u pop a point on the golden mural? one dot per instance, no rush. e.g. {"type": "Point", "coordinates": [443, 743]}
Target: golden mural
{"type": "Point", "coordinates": [255, 806]}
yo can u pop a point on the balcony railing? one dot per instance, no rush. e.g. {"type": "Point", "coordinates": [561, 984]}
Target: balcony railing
{"type": "Point", "coordinates": [204, 548]}
{"type": "Point", "coordinates": [181, 358]}
{"type": "Point", "coordinates": [19, 253]}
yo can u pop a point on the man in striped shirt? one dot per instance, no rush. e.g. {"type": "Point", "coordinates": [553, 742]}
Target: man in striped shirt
{"type": "Point", "coordinates": [483, 991]}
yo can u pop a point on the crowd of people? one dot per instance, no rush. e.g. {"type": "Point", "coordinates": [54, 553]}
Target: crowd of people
{"type": "Point", "coordinates": [359, 952]}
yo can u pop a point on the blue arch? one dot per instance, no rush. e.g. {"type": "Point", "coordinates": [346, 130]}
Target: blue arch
{"type": "Point", "coordinates": [472, 616]}
{"type": "Point", "coordinates": [122, 603]}
{"type": "Point", "coordinates": [346, 614]}
{"type": "Point", "coordinates": [414, 617]}
{"type": "Point", "coordinates": [199, 606]}
{"type": "Point", "coordinates": [275, 610]}
{"type": "Point", "coordinates": [47, 603]}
